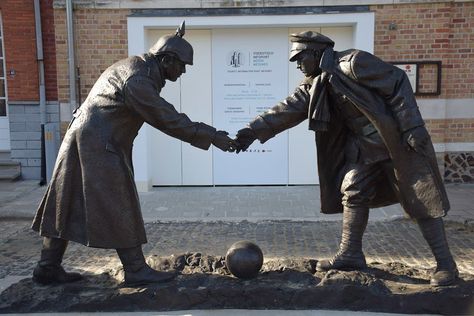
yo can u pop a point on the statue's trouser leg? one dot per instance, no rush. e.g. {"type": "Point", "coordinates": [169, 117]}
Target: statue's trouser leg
{"type": "Point", "coordinates": [433, 231]}
{"type": "Point", "coordinates": [350, 255]}
{"type": "Point", "coordinates": [357, 189]}
{"type": "Point", "coordinates": [49, 269]}
{"type": "Point", "coordinates": [137, 271]}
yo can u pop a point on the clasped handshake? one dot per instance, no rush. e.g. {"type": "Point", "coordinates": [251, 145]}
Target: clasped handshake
{"type": "Point", "coordinates": [245, 137]}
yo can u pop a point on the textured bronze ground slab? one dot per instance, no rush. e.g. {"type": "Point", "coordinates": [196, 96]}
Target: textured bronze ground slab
{"type": "Point", "coordinates": [205, 283]}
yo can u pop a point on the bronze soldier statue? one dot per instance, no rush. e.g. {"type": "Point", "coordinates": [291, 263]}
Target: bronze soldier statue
{"type": "Point", "coordinates": [373, 147]}
{"type": "Point", "coordinates": [92, 198]}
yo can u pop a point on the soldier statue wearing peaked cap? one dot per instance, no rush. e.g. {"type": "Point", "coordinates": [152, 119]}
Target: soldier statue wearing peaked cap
{"type": "Point", "coordinates": [372, 145]}
{"type": "Point", "coordinates": [92, 198]}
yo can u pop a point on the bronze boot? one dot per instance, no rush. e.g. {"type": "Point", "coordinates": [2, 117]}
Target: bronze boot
{"type": "Point", "coordinates": [350, 255]}
{"type": "Point", "coordinates": [446, 271]}
{"type": "Point", "coordinates": [49, 269]}
{"type": "Point", "coordinates": [137, 271]}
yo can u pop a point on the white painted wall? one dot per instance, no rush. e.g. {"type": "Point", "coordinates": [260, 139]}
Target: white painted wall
{"type": "Point", "coordinates": [261, 163]}
{"type": "Point", "coordinates": [162, 160]}
{"type": "Point", "coordinates": [175, 162]}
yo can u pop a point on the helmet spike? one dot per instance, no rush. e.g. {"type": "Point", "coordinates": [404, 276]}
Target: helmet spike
{"type": "Point", "coordinates": [176, 44]}
{"type": "Point", "coordinates": [181, 29]}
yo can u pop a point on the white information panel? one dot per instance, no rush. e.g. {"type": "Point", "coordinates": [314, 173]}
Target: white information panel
{"type": "Point", "coordinates": [249, 75]}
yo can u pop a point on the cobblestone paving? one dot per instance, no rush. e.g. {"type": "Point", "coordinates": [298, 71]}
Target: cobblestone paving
{"type": "Point", "coordinates": [299, 203]}
{"type": "Point", "coordinates": [255, 203]}
{"type": "Point", "coordinates": [387, 241]}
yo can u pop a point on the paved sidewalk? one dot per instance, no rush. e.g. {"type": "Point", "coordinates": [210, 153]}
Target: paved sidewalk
{"type": "Point", "coordinates": [252, 203]}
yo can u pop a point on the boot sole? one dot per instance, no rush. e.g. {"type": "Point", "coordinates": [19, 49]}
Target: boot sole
{"type": "Point", "coordinates": [42, 281]}
{"type": "Point", "coordinates": [144, 282]}
{"type": "Point", "coordinates": [450, 282]}
{"type": "Point", "coordinates": [342, 269]}
{"type": "Point", "coordinates": [47, 281]}
{"type": "Point", "coordinates": [133, 284]}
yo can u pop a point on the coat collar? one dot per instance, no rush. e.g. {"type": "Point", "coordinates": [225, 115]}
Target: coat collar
{"type": "Point", "coordinates": [326, 64]}
{"type": "Point", "coordinates": [327, 60]}
{"type": "Point", "coordinates": [155, 69]}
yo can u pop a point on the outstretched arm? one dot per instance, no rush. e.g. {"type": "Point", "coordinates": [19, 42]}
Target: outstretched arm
{"type": "Point", "coordinates": [286, 114]}
{"type": "Point", "coordinates": [141, 94]}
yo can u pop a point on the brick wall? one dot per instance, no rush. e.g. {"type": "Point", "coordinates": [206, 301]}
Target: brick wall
{"type": "Point", "coordinates": [20, 49]}
{"type": "Point", "coordinates": [460, 78]}
{"type": "Point", "coordinates": [451, 130]}
{"type": "Point", "coordinates": [60, 34]}
{"type": "Point", "coordinates": [458, 130]}
{"type": "Point", "coordinates": [49, 49]}
{"type": "Point", "coordinates": [432, 31]}
{"type": "Point", "coordinates": [436, 31]}
{"type": "Point", "coordinates": [96, 50]}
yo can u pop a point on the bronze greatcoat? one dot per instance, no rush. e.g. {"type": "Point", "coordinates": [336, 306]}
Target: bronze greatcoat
{"type": "Point", "coordinates": [92, 198]}
{"type": "Point", "coordinates": [383, 94]}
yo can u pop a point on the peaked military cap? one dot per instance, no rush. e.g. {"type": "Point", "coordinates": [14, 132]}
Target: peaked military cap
{"type": "Point", "coordinates": [308, 40]}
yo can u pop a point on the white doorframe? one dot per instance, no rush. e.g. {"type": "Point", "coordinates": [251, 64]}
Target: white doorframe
{"type": "Point", "coordinates": [363, 25]}
{"type": "Point", "coordinates": [4, 121]}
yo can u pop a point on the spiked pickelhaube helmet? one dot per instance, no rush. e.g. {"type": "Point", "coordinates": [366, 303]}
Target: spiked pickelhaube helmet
{"type": "Point", "coordinates": [175, 44]}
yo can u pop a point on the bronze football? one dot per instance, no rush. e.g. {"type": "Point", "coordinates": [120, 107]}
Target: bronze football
{"type": "Point", "coordinates": [244, 259]}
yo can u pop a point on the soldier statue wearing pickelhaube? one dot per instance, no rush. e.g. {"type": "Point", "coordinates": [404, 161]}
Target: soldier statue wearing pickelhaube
{"type": "Point", "coordinates": [92, 198]}
{"type": "Point", "coordinates": [372, 145]}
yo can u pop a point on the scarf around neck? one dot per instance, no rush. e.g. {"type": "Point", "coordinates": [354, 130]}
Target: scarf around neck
{"type": "Point", "coordinates": [318, 110]}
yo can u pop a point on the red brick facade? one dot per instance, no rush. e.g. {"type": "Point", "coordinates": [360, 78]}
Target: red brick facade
{"type": "Point", "coordinates": [451, 130]}
{"type": "Point", "coordinates": [20, 49]}
{"type": "Point", "coordinates": [432, 31]}
{"type": "Point", "coordinates": [95, 50]}
{"type": "Point", "coordinates": [49, 49]}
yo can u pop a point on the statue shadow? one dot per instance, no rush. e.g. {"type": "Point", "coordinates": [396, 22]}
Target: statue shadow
{"type": "Point", "coordinates": [27, 296]}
